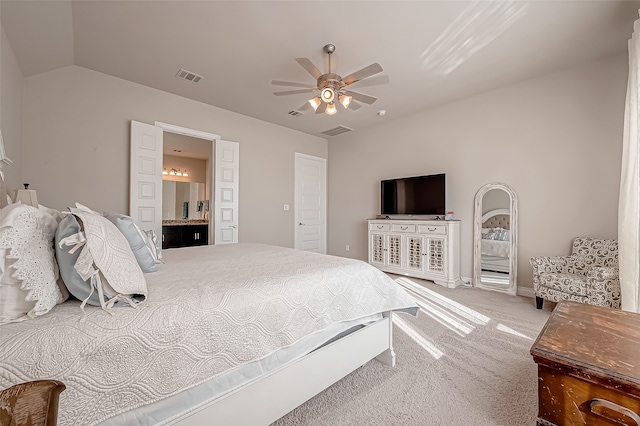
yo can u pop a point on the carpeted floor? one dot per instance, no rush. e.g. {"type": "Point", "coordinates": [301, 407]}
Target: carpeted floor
{"type": "Point", "coordinates": [463, 361]}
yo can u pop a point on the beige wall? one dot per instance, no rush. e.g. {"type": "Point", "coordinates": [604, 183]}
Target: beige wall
{"type": "Point", "coordinates": [11, 90]}
{"type": "Point", "coordinates": [555, 139]}
{"type": "Point", "coordinates": [76, 139]}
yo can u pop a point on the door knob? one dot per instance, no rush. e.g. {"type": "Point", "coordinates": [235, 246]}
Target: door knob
{"type": "Point", "coordinates": [302, 224]}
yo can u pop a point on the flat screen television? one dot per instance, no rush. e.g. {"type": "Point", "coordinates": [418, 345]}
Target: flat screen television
{"type": "Point", "coordinates": [419, 195]}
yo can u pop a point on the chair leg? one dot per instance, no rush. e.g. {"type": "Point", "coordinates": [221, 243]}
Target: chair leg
{"type": "Point", "coordinates": [539, 302]}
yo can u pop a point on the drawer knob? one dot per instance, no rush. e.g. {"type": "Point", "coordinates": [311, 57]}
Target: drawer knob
{"type": "Point", "coordinates": [379, 226]}
{"type": "Point", "coordinates": [431, 229]}
{"type": "Point", "coordinates": [404, 228]}
{"type": "Point", "coordinates": [599, 402]}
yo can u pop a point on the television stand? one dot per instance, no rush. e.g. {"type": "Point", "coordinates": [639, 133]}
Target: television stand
{"type": "Point", "coordinates": [427, 249]}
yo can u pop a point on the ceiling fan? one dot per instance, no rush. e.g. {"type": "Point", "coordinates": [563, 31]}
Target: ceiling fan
{"type": "Point", "coordinates": [330, 87]}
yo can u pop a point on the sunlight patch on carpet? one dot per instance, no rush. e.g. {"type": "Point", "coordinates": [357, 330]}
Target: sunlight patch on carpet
{"type": "Point", "coordinates": [443, 317]}
{"type": "Point", "coordinates": [413, 334]}
{"type": "Point", "coordinates": [510, 330]}
{"type": "Point", "coordinates": [445, 302]}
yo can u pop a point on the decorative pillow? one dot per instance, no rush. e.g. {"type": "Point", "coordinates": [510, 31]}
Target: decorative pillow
{"type": "Point", "coordinates": [57, 215]}
{"type": "Point", "coordinates": [85, 208]}
{"type": "Point", "coordinates": [28, 269]}
{"type": "Point", "coordinates": [154, 245]}
{"type": "Point", "coordinates": [105, 262]}
{"type": "Point", "coordinates": [497, 234]}
{"type": "Point", "coordinates": [137, 240]}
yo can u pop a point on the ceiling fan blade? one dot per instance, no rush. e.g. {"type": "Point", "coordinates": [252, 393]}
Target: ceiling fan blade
{"type": "Point", "coordinates": [294, 92]}
{"type": "Point", "coordinates": [361, 97]}
{"type": "Point", "coordinates": [291, 84]}
{"type": "Point", "coordinates": [321, 108]}
{"type": "Point", "coordinates": [365, 72]}
{"type": "Point", "coordinates": [305, 106]}
{"type": "Point", "coordinates": [373, 81]}
{"type": "Point", "coordinates": [308, 65]}
{"type": "Point", "coordinates": [354, 106]}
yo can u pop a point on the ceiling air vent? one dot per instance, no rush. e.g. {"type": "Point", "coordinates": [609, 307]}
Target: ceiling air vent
{"type": "Point", "coordinates": [336, 131]}
{"type": "Point", "coordinates": [188, 75]}
{"type": "Point", "coordinates": [294, 113]}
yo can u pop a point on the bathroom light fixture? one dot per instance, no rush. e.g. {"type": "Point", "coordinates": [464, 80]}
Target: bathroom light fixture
{"type": "Point", "coordinates": [164, 171]}
{"type": "Point", "coordinates": [185, 174]}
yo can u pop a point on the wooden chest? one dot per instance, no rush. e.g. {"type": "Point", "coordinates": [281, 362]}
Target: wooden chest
{"type": "Point", "coordinates": [588, 366]}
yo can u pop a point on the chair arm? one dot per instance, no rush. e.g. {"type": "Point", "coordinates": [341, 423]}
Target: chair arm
{"type": "Point", "coordinates": [603, 287]}
{"type": "Point", "coordinates": [602, 273]}
{"type": "Point", "coordinates": [550, 264]}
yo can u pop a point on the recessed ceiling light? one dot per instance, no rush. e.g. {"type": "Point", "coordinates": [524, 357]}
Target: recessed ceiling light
{"type": "Point", "coordinates": [382, 112]}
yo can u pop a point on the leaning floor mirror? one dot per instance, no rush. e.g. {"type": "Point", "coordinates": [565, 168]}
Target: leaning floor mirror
{"type": "Point", "coordinates": [495, 238]}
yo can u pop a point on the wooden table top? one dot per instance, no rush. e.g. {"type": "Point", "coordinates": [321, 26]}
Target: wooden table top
{"type": "Point", "coordinates": [593, 340]}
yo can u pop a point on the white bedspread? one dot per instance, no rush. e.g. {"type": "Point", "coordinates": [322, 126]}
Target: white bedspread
{"type": "Point", "coordinates": [209, 309]}
{"type": "Point", "coordinates": [495, 247]}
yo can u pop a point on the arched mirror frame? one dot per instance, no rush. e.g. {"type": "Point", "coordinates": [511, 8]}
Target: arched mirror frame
{"type": "Point", "coordinates": [477, 239]}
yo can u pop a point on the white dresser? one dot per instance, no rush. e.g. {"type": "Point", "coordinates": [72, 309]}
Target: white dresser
{"type": "Point", "coordinates": [428, 249]}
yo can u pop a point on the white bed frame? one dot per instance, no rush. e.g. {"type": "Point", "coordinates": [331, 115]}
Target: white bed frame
{"type": "Point", "coordinates": [267, 398]}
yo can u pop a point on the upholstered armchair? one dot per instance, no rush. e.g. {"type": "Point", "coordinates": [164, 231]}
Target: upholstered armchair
{"type": "Point", "coordinates": [589, 275]}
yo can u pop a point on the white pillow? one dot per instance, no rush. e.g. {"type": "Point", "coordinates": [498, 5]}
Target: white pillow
{"type": "Point", "coordinates": [106, 263]}
{"type": "Point", "coordinates": [28, 269]}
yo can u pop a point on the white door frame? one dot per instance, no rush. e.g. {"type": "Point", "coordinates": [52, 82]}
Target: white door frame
{"type": "Point", "coordinates": [172, 128]}
{"type": "Point", "coordinates": [323, 209]}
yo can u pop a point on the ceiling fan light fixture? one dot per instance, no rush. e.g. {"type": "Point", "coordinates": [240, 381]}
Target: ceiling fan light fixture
{"type": "Point", "coordinates": [327, 94]}
{"type": "Point", "coordinates": [315, 102]}
{"type": "Point", "coordinates": [331, 109]}
{"type": "Point", "coordinates": [345, 100]}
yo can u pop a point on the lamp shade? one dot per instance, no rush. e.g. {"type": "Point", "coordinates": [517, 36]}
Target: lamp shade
{"type": "Point", "coordinates": [331, 109]}
{"type": "Point", "coordinates": [27, 196]}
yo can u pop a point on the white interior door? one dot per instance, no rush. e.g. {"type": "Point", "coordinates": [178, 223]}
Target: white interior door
{"type": "Point", "coordinates": [227, 162]}
{"type": "Point", "coordinates": [145, 187]}
{"type": "Point", "coordinates": [311, 203]}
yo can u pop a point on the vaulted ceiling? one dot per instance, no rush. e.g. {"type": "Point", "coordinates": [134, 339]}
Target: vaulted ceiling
{"type": "Point", "coordinates": [432, 52]}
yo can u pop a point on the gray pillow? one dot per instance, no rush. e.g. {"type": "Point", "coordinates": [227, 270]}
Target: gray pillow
{"type": "Point", "coordinates": [79, 288]}
{"type": "Point", "coordinates": [155, 245]}
{"type": "Point", "coordinates": [137, 240]}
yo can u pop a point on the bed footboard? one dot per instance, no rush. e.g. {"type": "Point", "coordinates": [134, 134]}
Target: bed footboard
{"type": "Point", "coordinates": [275, 394]}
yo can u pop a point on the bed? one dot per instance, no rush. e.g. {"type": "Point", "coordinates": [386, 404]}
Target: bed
{"type": "Point", "coordinates": [223, 328]}
{"type": "Point", "coordinates": [495, 243]}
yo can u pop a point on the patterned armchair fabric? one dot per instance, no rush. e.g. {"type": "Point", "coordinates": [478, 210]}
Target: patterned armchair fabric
{"type": "Point", "coordinates": [589, 275]}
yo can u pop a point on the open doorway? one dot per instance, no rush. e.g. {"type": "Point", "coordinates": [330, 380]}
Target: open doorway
{"type": "Point", "coordinates": [221, 180]}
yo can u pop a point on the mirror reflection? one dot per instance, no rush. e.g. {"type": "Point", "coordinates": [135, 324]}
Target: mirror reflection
{"type": "Point", "coordinates": [496, 237]}
{"type": "Point", "coordinates": [183, 200]}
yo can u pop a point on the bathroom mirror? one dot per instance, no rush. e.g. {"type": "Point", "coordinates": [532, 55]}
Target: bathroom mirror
{"type": "Point", "coordinates": [495, 238]}
{"type": "Point", "coordinates": [183, 200]}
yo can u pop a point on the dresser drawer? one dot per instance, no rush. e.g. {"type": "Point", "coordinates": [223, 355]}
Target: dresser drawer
{"type": "Point", "coordinates": [433, 229]}
{"type": "Point", "coordinates": [379, 227]}
{"type": "Point", "coordinates": [399, 227]}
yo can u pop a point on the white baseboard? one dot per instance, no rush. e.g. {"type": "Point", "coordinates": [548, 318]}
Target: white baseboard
{"type": "Point", "coordinates": [525, 291]}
